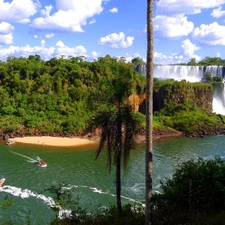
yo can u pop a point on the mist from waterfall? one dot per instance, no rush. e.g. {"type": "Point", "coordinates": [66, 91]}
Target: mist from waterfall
{"type": "Point", "coordinates": [193, 74]}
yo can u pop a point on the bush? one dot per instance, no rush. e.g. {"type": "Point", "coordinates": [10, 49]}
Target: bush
{"type": "Point", "coordinates": [196, 188]}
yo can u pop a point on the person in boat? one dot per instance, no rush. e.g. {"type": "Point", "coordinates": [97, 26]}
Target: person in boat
{"type": "Point", "coordinates": [41, 162]}
{"type": "Point", "coordinates": [38, 158]}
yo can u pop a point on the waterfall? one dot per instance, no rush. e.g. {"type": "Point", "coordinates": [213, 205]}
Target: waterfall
{"type": "Point", "coordinates": [191, 74]}
{"type": "Point", "coordinates": [179, 72]}
{"type": "Point", "coordinates": [188, 73]}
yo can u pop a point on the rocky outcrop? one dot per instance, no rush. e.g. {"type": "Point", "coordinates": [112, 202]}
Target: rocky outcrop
{"type": "Point", "coordinates": [175, 96]}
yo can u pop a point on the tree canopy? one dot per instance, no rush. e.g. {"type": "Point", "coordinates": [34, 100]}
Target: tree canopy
{"type": "Point", "coordinates": [58, 95]}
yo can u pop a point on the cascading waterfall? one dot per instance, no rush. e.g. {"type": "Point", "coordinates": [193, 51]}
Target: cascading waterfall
{"type": "Point", "coordinates": [191, 74]}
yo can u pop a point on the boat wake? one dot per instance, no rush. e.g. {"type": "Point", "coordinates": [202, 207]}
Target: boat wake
{"type": "Point", "coordinates": [32, 160]}
{"type": "Point", "coordinates": [63, 213]}
{"type": "Point", "coordinates": [99, 191]}
{"type": "Point", "coordinates": [25, 193]}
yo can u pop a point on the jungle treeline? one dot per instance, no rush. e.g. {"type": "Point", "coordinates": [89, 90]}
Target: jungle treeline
{"type": "Point", "coordinates": [59, 95]}
{"type": "Point", "coordinates": [62, 95]}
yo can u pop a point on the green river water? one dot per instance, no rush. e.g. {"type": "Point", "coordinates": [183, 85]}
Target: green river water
{"type": "Point", "coordinates": [87, 178]}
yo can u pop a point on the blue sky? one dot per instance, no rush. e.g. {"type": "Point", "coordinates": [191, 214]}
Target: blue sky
{"type": "Point", "coordinates": [183, 29]}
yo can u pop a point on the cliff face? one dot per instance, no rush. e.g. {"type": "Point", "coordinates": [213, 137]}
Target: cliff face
{"type": "Point", "coordinates": [137, 101]}
{"type": "Point", "coordinates": [182, 95]}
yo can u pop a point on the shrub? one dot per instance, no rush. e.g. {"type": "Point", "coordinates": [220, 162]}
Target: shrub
{"type": "Point", "coordinates": [196, 188]}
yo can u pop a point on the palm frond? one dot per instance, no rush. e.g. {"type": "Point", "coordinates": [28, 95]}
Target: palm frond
{"type": "Point", "coordinates": [130, 127]}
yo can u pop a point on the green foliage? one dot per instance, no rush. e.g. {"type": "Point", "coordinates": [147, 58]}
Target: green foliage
{"type": "Point", "coordinates": [60, 95]}
{"type": "Point", "coordinates": [130, 215]}
{"type": "Point", "coordinates": [171, 97]}
{"type": "Point", "coordinates": [207, 76]}
{"type": "Point", "coordinates": [189, 122]}
{"type": "Point", "coordinates": [192, 62]}
{"type": "Point", "coordinates": [195, 189]}
{"type": "Point", "coordinates": [64, 197]}
{"type": "Point", "coordinates": [211, 61]}
{"type": "Point", "coordinates": [141, 120]}
{"type": "Point", "coordinates": [6, 203]}
{"type": "Point", "coordinates": [9, 124]}
{"type": "Point", "coordinates": [8, 110]}
{"type": "Point", "coordinates": [63, 95]}
{"type": "Point", "coordinates": [137, 61]}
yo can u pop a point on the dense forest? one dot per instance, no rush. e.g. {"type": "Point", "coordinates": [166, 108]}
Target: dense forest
{"type": "Point", "coordinates": [58, 95]}
{"type": "Point", "coordinates": [61, 96]}
{"type": "Point", "coordinates": [207, 61]}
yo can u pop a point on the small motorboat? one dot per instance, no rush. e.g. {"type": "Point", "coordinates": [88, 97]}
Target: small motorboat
{"type": "Point", "coordinates": [40, 162]}
{"type": "Point", "coordinates": [10, 142]}
{"type": "Point", "coordinates": [2, 181]}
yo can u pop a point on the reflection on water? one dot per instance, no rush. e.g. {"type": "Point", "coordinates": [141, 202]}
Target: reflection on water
{"type": "Point", "coordinates": [88, 178]}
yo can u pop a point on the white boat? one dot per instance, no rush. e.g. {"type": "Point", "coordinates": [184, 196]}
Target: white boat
{"type": "Point", "coordinates": [2, 181]}
{"type": "Point", "coordinates": [40, 162]}
{"type": "Point", "coordinates": [10, 142]}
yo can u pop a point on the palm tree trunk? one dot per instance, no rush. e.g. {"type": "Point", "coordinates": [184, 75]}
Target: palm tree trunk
{"type": "Point", "coordinates": [118, 161]}
{"type": "Point", "coordinates": [118, 183]}
{"type": "Point", "coordinates": [149, 112]}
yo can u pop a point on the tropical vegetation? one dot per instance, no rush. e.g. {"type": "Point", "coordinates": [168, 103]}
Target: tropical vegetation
{"type": "Point", "coordinates": [118, 125]}
{"type": "Point", "coordinates": [72, 96]}
{"type": "Point", "coordinates": [193, 195]}
{"type": "Point", "coordinates": [63, 95]}
{"type": "Point", "coordinates": [58, 95]}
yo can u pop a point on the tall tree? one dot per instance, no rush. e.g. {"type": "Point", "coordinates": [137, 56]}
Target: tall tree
{"type": "Point", "coordinates": [149, 112]}
{"type": "Point", "coordinates": [118, 126]}
{"type": "Point", "coordinates": [117, 122]}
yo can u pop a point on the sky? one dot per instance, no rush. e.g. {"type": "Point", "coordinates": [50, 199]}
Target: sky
{"type": "Point", "coordinates": [183, 29]}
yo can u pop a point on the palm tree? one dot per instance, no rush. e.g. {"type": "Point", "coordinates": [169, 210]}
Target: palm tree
{"type": "Point", "coordinates": [117, 122]}
{"type": "Point", "coordinates": [149, 111]}
{"type": "Point", "coordinates": [118, 128]}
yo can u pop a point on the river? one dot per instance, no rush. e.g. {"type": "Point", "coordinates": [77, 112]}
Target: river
{"type": "Point", "coordinates": [87, 178]}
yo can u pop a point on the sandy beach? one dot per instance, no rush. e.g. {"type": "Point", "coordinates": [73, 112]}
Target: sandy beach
{"type": "Point", "coordinates": [79, 141]}
{"type": "Point", "coordinates": [54, 141]}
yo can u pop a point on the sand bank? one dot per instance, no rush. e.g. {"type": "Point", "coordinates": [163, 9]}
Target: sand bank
{"type": "Point", "coordinates": [54, 141]}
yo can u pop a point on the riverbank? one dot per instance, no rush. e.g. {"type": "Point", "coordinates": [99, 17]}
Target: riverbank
{"type": "Point", "coordinates": [54, 141]}
{"type": "Point", "coordinates": [85, 140]}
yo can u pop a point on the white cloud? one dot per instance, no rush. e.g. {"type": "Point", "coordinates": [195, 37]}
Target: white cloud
{"type": "Point", "coordinates": [187, 52]}
{"type": "Point", "coordinates": [130, 57]}
{"type": "Point", "coordinates": [117, 40]}
{"type": "Point", "coordinates": [47, 10]}
{"type": "Point", "coordinates": [94, 55]}
{"type": "Point", "coordinates": [218, 12]}
{"type": "Point", "coordinates": [49, 36]}
{"type": "Point", "coordinates": [186, 6]}
{"type": "Point", "coordinates": [92, 21]}
{"type": "Point", "coordinates": [113, 10]}
{"type": "Point", "coordinates": [212, 34]}
{"type": "Point", "coordinates": [67, 51]}
{"type": "Point", "coordinates": [6, 28]}
{"type": "Point", "coordinates": [60, 44]}
{"type": "Point", "coordinates": [46, 53]}
{"type": "Point", "coordinates": [18, 10]}
{"type": "Point", "coordinates": [172, 27]}
{"type": "Point", "coordinates": [173, 58]}
{"type": "Point", "coordinates": [188, 49]}
{"type": "Point", "coordinates": [42, 42]}
{"type": "Point", "coordinates": [71, 15]}
{"type": "Point", "coordinates": [6, 39]}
